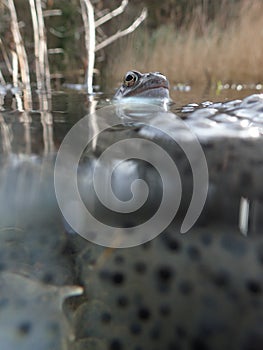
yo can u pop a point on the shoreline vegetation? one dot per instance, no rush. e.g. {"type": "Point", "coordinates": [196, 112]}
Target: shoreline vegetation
{"type": "Point", "coordinates": [198, 42]}
{"type": "Point", "coordinates": [226, 49]}
{"type": "Point", "coordinates": [15, 58]}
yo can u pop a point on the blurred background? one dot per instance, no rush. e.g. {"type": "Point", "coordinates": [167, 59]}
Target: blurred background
{"type": "Point", "coordinates": [206, 42]}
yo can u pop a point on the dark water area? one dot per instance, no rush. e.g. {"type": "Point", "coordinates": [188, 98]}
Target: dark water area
{"type": "Point", "coordinates": [199, 290]}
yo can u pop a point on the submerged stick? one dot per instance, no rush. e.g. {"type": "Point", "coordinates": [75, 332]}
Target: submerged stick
{"type": "Point", "coordinates": [2, 79]}
{"type": "Point", "coordinates": [27, 132]}
{"type": "Point", "coordinates": [6, 135]}
{"type": "Point", "coordinates": [48, 137]}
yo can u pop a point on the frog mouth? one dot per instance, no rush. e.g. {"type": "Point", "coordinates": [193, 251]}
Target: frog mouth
{"type": "Point", "coordinates": [140, 90]}
{"type": "Point", "coordinates": [160, 86]}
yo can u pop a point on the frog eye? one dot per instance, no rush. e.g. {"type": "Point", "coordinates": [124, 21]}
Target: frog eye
{"type": "Point", "coordinates": [130, 79]}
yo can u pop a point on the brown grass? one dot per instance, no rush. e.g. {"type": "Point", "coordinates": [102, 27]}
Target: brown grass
{"type": "Point", "coordinates": [201, 52]}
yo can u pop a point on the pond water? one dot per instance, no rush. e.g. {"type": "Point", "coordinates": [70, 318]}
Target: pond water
{"type": "Point", "coordinates": [201, 290]}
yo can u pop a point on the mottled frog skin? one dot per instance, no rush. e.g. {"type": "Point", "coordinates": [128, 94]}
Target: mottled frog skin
{"type": "Point", "coordinates": [201, 290]}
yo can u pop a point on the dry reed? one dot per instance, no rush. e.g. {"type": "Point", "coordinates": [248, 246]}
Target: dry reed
{"type": "Point", "coordinates": [201, 52]}
{"type": "Point", "coordinates": [20, 55]}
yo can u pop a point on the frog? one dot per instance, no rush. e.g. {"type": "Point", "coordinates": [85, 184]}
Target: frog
{"type": "Point", "coordinates": [146, 85]}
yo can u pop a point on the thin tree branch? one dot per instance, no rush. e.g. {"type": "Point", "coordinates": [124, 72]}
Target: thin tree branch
{"type": "Point", "coordinates": [55, 51]}
{"type": "Point", "coordinates": [36, 42]}
{"type": "Point", "coordinates": [56, 33]}
{"type": "Point", "coordinates": [21, 53]}
{"type": "Point", "coordinates": [89, 28]}
{"type": "Point", "coordinates": [43, 49]}
{"type": "Point", "coordinates": [124, 32]}
{"type": "Point", "coordinates": [112, 14]}
{"type": "Point", "coordinates": [50, 13]}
